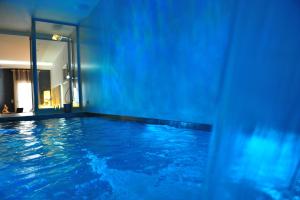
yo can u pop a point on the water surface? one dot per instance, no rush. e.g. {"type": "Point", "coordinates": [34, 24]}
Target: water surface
{"type": "Point", "coordinates": [94, 158]}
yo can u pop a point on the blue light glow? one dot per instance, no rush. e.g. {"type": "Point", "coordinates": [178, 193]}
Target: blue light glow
{"type": "Point", "coordinates": [230, 63]}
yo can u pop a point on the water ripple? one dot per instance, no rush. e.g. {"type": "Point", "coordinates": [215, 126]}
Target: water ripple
{"type": "Point", "coordinates": [94, 158]}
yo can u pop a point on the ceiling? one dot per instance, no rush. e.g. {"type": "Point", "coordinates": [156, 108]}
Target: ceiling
{"type": "Point", "coordinates": [15, 15]}
{"type": "Point", "coordinates": [17, 49]}
{"type": "Point", "coordinates": [50, 29]}
{"type": "Point", "coordinates": [48, 50]}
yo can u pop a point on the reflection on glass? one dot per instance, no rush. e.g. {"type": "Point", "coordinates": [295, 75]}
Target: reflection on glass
{"type": "Point", "coordinates": [58, 80]}
{"type": "Point", "coordinates": [24, 97]}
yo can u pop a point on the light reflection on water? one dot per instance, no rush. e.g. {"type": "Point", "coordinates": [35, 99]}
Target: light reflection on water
{"type": "Point", "coordinates": [100, 159]}
{"type": "Point", "coordinates": [59, 158]}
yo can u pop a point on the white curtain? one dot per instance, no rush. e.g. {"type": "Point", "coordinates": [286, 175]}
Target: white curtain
{"type": "Point", "coordinates": [23, 89]}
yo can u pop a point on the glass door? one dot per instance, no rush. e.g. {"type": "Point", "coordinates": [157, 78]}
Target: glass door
{"type": "Point", "coordinates": [53, 74]}
{"type": "Point", "coordinates": [56, 70]}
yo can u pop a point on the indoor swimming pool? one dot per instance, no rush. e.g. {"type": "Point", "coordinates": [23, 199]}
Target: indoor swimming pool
{"type": "Point", "coordinates": [95, 158]}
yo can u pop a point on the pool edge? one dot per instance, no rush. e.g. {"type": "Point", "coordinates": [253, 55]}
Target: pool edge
{"type": "Point", "coordinates": [178, 124]}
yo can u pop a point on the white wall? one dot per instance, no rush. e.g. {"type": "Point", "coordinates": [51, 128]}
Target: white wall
{"type": "Point", "coordinates": [57, 70]}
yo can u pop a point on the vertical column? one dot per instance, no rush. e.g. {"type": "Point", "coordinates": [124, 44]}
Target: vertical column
{"type": "Point", "coordinates": [70, 70]}
{"type": "Point", "coordinates": [34, 65]}
{"type": "Point", "coordinates": [78, 65]}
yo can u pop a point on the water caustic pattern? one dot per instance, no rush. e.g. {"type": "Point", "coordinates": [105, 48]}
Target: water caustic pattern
{"type": "Point", "coordinates": [93, 158]}
{"type": "Point", "coordinates": [263, 164]}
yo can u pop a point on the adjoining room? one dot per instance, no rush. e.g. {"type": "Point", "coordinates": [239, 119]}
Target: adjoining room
{"type": "Point", "coordinates": [16, 76]}
{"type": "Point", "coordinates": [55, 66]}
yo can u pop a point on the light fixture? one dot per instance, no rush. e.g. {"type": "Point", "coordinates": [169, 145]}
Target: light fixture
{"type": "Point", "coordinates": [57, 37]}
{"type": "Point", "coordinates": [17, 62]}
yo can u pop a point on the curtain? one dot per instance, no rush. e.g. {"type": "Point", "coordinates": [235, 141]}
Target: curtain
{"type": "Point", "coordinates": [23, 89]}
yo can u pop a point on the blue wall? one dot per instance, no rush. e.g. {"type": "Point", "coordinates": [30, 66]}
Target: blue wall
{"type": "Point", "coordinates": [194, 60]}
{"type": "Point", "coordinates": [157, 59]}
{"type": "Point", "coordinates": [257, 135]}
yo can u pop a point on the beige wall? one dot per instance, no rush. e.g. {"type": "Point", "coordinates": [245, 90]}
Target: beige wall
{"type": "Point", "coordinates": [14, 47]}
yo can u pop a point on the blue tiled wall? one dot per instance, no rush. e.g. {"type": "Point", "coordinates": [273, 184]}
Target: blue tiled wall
{"type": "Point", "coordinates": [156, 59]}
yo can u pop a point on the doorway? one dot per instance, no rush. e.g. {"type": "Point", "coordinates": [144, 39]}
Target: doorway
{"type": "Point", "coordinates": [15, 74]}
{"type": "Point", "coordinates": [55, 65]}
{"type": "Point", "coordinates": [40, 71]}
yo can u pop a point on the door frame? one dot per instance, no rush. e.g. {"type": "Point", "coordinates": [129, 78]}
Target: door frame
{"type": "Point", "coordinates": [33, 50]}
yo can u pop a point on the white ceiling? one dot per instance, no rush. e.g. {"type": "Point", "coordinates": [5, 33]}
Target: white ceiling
{"type": "Point", "coordinates": [50, 29]}
{"type": "Point", "coordinates": [15, 15]}
{"type": "Point", "coordinates": [48, 50]}
{"type": "Point", "coordinates": [17, 49]}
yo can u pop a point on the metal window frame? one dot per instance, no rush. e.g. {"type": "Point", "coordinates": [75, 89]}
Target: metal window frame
{"type": "Point", "coordinates": [33, 50]}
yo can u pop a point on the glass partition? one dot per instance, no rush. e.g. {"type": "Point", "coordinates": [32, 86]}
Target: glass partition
{"type": "Point", "coordinates": [57, 67]}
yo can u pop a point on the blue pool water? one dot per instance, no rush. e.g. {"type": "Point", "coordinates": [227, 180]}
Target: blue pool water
{"type": "Point", "coordinates": [94, 158]}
